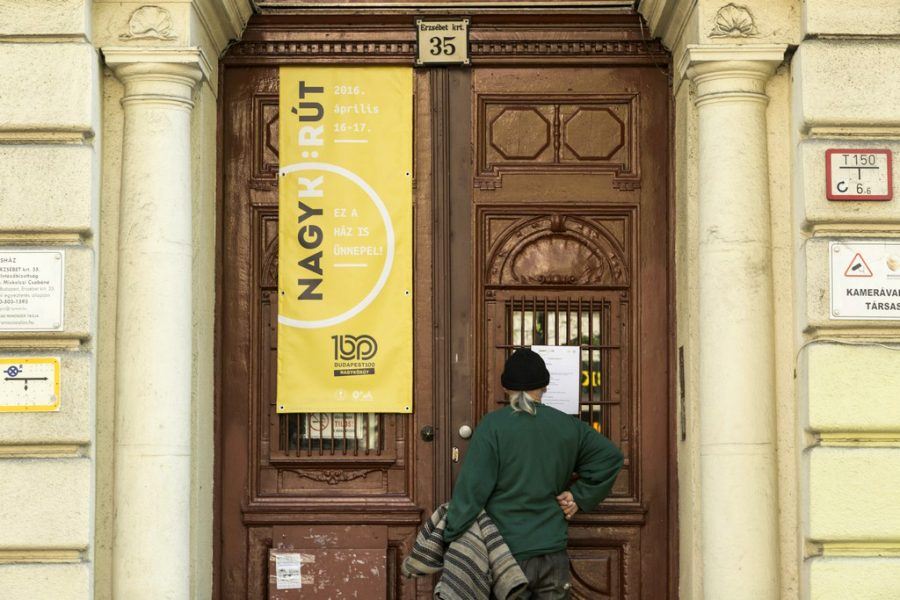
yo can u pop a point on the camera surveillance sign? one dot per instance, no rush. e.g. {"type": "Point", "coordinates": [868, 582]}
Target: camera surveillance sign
{"type": "Point", "coordinates": [865, 280]}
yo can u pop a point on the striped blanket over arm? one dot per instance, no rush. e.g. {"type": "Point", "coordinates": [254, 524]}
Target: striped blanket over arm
{"type": "Point", "coordinates": [476, 566]}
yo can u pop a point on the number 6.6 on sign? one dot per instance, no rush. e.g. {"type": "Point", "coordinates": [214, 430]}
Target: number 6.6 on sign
{"type": "Point", "coordinates": [442, 42]}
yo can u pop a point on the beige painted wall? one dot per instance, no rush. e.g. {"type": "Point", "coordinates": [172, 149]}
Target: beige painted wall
{"type": "Point", "coordinates": [849, 425]}
{"type": "Point", "coordinates": [780, 173]}
{"type": "Point", "coordinates": [49, 165]}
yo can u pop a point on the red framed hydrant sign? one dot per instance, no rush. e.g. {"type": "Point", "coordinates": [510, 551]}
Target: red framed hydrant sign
{"type": "Point", "coordinates": [858, 174]}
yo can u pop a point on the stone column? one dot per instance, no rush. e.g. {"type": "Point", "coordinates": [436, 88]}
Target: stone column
{"type": "Point", "coordinates": [739, 500]}
{"type": "Point", "coordinates": [151, 554]}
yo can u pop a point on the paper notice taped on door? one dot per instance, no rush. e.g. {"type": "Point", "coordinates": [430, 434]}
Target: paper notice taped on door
{"type": "Point", "coordinates": [287, 571]}
{"type": "Point", "coordinates": [564, 364]}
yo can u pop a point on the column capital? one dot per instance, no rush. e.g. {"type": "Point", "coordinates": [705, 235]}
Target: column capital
{"type": "Point", "coordinates": [732, 71]}
{"type": "Point", "coordinates": [158, 74]}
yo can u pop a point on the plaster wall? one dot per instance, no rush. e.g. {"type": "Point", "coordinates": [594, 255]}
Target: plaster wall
{"type": "Point", "coordinates": [112, 122]}
{"type": "Point", "coordinates": [686, 299]}
{"type": "Point", "coordinates": [203, 129]}
{"type": "Point", "coordinates": [844, 95]}
{"type": "Point", "coordinates": [679, 22]}
{"type": "Point", "coordinates": [686, 175]}
{"type": "Point", "coordinates": [780, 174]}
{"type": "Point", "coordinates": [49, 198]}
{"type": "Point", "coordinates": [838, 431]}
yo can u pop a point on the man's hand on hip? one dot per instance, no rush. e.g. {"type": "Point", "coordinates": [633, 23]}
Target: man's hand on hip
{"type": "Point", "coordinates": [567, 504]}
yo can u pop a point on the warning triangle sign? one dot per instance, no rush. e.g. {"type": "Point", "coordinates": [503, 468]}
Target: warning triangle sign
{"type": "Point", "coordinates": [858, 267]}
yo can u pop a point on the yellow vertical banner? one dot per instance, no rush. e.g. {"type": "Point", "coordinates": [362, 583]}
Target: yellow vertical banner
{"type": "Point", "coordinates": [345, 239]}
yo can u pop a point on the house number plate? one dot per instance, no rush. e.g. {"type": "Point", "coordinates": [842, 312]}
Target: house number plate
{"type": "Point", "coordinates": [442, 42]}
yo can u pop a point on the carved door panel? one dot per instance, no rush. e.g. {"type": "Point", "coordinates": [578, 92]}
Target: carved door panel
{"type": "Point", "coordinates": [562, 237]}
{"type": "Point", "coordinates": [345, 491]}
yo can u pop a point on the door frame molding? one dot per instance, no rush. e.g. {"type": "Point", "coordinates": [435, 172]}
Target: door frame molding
{"type": "Point", "coordinates": [531, 36]}
{"type": "Point", "coordinates": [389, 37]}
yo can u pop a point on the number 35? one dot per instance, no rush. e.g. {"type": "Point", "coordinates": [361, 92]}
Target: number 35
{"type": "Point", "coordinates": [442, 46]}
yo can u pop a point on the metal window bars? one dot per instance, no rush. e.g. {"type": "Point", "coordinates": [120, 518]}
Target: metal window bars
{"type": "Point", "coordinates": [332, 434]}
{"type": "Point", "coordinates": [586, 322]}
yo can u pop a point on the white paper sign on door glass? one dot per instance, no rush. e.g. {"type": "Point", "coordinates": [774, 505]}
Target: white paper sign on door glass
{"type": "Point", "coordinates": [564, 364]}
{"type": "Point", "coordinates": [865, 280]}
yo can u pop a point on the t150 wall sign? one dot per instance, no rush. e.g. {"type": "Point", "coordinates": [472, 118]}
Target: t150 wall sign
{"type": "Point", "coordinates": [858, 174]}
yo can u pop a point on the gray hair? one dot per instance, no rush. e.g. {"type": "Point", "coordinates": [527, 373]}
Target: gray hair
{"type": "Point", "coordinates": [521, 402]}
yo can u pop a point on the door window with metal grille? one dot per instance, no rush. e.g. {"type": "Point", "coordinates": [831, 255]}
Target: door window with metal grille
{"type": "Point", "coordinates": [598, 325]}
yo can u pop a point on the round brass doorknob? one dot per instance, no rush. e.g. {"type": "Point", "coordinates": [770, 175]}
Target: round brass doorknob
{"type": "Point", "coordinates": [465, 432]}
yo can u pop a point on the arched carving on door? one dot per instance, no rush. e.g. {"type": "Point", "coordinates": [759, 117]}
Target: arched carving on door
{"type": "Point", "coordinates": [557, 249]}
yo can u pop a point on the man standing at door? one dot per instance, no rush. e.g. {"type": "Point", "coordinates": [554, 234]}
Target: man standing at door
{"type": "Point", "coordinates": [518, 468]}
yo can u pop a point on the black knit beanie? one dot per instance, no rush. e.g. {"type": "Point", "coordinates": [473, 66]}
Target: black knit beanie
{"type": "Point", "coordinates": [524, 371]}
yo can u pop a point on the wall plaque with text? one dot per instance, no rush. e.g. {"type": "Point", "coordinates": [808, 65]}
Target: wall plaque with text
{"type": "Point", "coordinates": [865, 280]}
{"type": "Point", "coordinates": [31, 290]}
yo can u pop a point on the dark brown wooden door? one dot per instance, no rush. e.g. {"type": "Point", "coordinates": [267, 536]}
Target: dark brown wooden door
{"type": "Point", "coordinates": [541, 182]}
{"type": "Point", "coordinates": [558, 204]}
{"type": "Point", "coordinates": [347, 490]}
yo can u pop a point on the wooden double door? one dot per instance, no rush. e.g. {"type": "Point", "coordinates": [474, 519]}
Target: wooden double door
{"type": "Point", "coordinates": [542, 216]}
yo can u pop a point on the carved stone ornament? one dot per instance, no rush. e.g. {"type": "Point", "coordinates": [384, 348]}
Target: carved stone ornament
{"type": "Point", "coordinates": [150, 22]}
{"type": "Point", "coordinates": [734, 21]}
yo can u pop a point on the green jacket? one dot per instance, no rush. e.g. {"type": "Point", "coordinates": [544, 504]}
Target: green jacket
{"type": "Point", "coordinates": [516, 466]}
